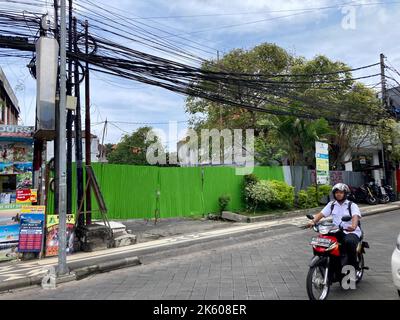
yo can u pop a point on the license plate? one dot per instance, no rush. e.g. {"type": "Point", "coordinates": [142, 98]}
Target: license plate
{"type": "Point", "coordinates": [322, 242]}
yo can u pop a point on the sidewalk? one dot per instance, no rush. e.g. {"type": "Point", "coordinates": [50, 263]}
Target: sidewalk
{"type": "Point", "coordinates": [22, 274]}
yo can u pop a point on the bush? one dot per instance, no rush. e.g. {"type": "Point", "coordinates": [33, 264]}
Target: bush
{"type": "Point", "coordinates": [283, 194]}
{"type": "Point", "coordinates": [323, 191]}
{"type": "Point", "coordinates": [273, 194]}
{"type": "Point", "coordinates": [223, 202]}
{"type": "Point", "coordinates": [249, 181]}
{"type": "Point", "coordinates": [303, 200]}
{"type": "Point", "coordinates": [308, 198]}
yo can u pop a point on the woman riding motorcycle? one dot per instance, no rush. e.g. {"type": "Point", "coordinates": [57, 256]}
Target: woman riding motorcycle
{"type": "Point", "coordinates": [352, 232]}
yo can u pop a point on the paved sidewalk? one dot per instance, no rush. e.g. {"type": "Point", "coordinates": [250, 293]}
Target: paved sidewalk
{"type": "Point", "coordinates": [16, 271]}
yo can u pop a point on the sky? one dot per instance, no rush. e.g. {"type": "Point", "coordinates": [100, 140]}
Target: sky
{"type": "Point", "coordinates": [354, 32]}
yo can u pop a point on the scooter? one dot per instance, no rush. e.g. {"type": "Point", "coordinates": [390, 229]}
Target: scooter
{"type": "Point", "coordinates": [390, 192]}
{"type": "Point", "coordinates": [379, 192]}
{"type": "Point", "coordinates": [326, 265]}
{"type": "Point", "coordinates": [363, 193]}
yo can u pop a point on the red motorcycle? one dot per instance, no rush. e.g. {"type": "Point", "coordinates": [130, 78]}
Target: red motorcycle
{"type": "Point", "coordinates": [326, 265]}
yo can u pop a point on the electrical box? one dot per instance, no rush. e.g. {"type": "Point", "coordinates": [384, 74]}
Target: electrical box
{"type": "Point", "coordinates": [46, 84]}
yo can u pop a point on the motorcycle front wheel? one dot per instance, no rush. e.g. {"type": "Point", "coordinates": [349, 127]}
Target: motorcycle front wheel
{"type": "Point", "coordinates": [384, 199]}
{"type": "Point", "coordinates": [372, 200]}
{"type": "Point", "coordinates": [316, 289]}
{"type": "Point", "coordinates": [360, 271]}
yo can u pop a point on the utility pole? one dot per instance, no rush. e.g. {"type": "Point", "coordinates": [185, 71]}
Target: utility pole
{"type": "Point", "coordinates": [69, 113]}
{"type": "Point", "coordinates": [56, 113]}
{"type": "Point", "coordinates": [87, 129]}
{"type": "Point", "coordinates": [78, 130]}
{"type": "Point", "coordinates": [385, 106]}
{"type": "Point", "coordinates": [60, 157]}
{"type": "Point", "coordinates": [220, 107]}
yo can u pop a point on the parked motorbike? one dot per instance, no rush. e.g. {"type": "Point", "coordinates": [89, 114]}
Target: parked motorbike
{"type": "Point", "coordinates": [363, 193]}
{"type": "Point", "coordinates": [390, 192]}
{"type": "Point", "coordinates": [379, 192]}
{"type": "Point", "coordinates": [326, 265]}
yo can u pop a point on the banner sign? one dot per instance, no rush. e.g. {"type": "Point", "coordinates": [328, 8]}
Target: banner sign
{"type": "Point", "coordinates": [52, 238]}
{"type": "Point", "coordinates": [16, 131]}
{"type": "Point", "coordinates": [322, 162]}
{"type": "Point", "coordinates": [31, 229]}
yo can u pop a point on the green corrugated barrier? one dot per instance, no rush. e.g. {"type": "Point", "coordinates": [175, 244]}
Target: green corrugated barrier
{"type": "Point", "coordinates": [137, 192]}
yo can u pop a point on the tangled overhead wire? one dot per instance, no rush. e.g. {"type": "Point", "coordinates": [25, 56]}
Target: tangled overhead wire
{"type": "Point", "coordinates": [279, 94]}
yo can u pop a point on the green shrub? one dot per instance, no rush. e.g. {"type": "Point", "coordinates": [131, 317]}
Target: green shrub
{"type": "Point", "coordinates": [223, 202]}
{"type": "Point", "coordinates": [273, 194]}
{"type": "Point", "coordinates": [323, 191]}
{"type": "Point", "coordinates": [303, 200]}
{"type": "Point", "coordinates": [249, 181]}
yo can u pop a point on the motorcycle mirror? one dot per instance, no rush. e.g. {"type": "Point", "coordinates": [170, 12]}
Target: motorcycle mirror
{"type": "Point", "coordinates": [346, 218]}
{"type": "Point", "coordinates": [310, 216]}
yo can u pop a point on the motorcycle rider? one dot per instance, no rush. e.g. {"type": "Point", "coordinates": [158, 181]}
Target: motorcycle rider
{"type": "Point", "coordinates": [338, 208]}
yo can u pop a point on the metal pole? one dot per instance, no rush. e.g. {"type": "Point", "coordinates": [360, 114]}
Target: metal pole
{"type": "Point", "coordinates": [87, 128]}
{"type": "Point", "coordinates": [78, 130]}
{"type": "Point", "coordinates": [69, 113]}
{"type": "Point", "coordinates": [61, 156]}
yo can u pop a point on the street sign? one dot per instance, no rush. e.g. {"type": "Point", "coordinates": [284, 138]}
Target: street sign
{"type": "Point", "coordinates": [322, 162]}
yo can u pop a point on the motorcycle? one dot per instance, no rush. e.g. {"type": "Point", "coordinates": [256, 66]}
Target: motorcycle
{"type": "Point", "coordinates": [326, 265]}
{"type": "Point", "coordinates": [390, 192]}
{"type": "Point", "coordinates": [379, 192]}
{"type": "Point", "coordinates": [363, 193]}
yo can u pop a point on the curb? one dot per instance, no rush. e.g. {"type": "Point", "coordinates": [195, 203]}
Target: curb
{"type": "Point", "coordinates": [297, 213]}
{"type": "Point", "coordinates": [75, 273]}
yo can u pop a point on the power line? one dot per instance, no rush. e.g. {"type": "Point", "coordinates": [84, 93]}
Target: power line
{"type": "Point", "coordinates": [264, 12]}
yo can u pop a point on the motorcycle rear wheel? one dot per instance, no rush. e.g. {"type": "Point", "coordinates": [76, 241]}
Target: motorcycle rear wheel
{"type": "Point", "coordinates": [315, 278]}
{"type": "Point", "coordinates": [360, 272]}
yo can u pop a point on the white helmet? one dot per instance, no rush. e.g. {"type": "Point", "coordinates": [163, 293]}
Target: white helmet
{"type": "Point", "coordinates": [340, 187]}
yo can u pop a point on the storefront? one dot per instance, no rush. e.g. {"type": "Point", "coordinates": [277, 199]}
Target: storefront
{"type": "Point", "coordinates": [16, 157]}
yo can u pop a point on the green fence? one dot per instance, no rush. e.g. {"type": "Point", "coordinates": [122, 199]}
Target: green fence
{"type": "Point", "coordinates": [132, 192]}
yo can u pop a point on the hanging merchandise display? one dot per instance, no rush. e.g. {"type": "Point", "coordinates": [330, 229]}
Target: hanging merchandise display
{"type": "Point", "coordinates": [16, 156]}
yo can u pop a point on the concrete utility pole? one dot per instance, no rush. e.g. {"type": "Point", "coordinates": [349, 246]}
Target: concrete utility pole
{"type": "Point", "coordinates": [69, 113]}
{"type": "Point", "coordinates": [88, 139]}
{"type": "Point", "coordinates": [385, 106]}
{"type": "Point", "coordinates": [60, 157]}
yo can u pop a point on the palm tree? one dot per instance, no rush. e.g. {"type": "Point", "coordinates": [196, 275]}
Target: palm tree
{"type": "Point", "coordinates": [297, 137]}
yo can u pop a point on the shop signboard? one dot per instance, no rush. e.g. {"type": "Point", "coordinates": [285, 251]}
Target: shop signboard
{"type": "Point", "coordinates": [31, 229]}
{"type": "Point", "coordinates": [322, 162]}
{"type": "Point", "coordinates": [52, 238]}
{"type": "Point", "coordinates": [24, 196]}
{"type": "Point", "coordinates": [9, 230]}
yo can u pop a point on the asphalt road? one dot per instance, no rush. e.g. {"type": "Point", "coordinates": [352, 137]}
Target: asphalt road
{"type": "Point", "coordinates": [264, 265]}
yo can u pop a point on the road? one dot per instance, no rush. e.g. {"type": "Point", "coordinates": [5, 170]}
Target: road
{"type": "Point", "coordinates": [264, 265]}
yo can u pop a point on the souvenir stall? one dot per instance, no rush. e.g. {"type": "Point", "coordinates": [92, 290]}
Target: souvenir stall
{"type": "Point", "coordinates": [16, 156]}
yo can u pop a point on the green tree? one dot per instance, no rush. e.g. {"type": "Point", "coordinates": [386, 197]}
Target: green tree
{"type": "Point", "coordinates": [132, 148]}
{"type": "Point", "coordinates": [323, 88]}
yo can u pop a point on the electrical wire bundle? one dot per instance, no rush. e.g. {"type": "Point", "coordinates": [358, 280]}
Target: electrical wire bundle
{"type": "Point", "coordinates": [279, 94]}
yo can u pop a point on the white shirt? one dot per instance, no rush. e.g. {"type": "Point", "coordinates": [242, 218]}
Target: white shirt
{"type": "Point", "coordinates": [340, 210]}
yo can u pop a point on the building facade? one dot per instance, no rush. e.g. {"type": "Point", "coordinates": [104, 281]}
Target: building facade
{"type": "Point", "coordinates": [10, 111]}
